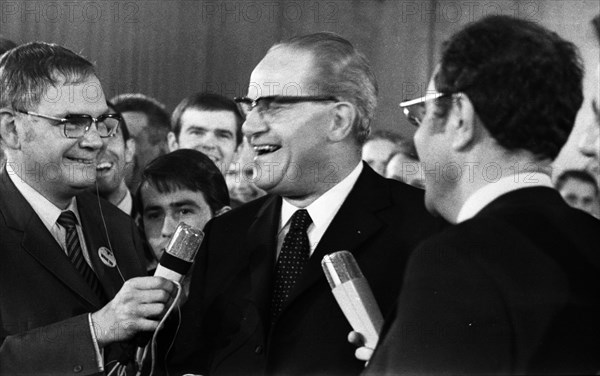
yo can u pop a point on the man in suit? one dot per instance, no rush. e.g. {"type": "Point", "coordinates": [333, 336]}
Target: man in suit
{"type": "Point", "coordinates": [309, 108]}
{"type": "Point", "coordinates": [514, 286]}
{"type": "Point", "coordinates": [68, 299]}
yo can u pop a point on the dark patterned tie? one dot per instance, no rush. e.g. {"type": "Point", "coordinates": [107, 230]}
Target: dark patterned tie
{"type": "Point", "coordinates": [292, 259]}
{"type": "Point", "coordinates": [68, 220]}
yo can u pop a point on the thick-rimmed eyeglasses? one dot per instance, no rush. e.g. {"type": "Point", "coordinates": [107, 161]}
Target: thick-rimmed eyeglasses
{"type": "Point", "coordinates": [264, 104]}
{"type": "Point", "coordinates": [414, 109]}
{"type": "Point", "coordinates": [77, 125]}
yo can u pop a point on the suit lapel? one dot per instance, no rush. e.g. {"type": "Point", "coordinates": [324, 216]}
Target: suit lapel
{"type": "Point", "coordinates": [39, 242]}
{"type": "Point", "coordinates": [95, 234]}
{"type": "Point", "coordinates": [355, 223]}
{"type": "Point", "coordinates": [262, 244]}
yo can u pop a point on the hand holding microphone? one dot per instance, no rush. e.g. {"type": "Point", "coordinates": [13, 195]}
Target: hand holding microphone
{"type": "Point", "coordinates": [354, 296]}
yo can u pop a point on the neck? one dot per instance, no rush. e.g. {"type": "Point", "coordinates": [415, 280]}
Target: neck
{"type": "Point", "coordinates": [35, 179]}
{"type": "Point", "coordinates": [116, 196]}
{"type": "Point", "coordinates": [330, 174]}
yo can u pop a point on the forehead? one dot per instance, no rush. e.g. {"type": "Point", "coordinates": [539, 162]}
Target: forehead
{"type": "Point", "coordinates": [283, 71]}
{"type": "Point", "coordinates": [151, 197]}
{"type": "Point", "coordinates": [84, 97]}
{"type": "Point", "coordinates": [579, 186]}
{"type": "Point", "coordinates": [136, 121]}
{"type": "Point", "coordinates": [208, 119]}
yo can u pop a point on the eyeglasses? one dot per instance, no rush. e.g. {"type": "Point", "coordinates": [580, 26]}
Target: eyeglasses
{"type": "Point", "coordinates": [77, 125]}
{"type": "Point", "coordinates": [414, 109]}
{"type": "Point", "coordinates": [264, 104]}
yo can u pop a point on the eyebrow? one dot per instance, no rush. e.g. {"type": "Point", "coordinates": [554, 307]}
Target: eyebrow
{"type": "Point", "coordinates": [176, 204]}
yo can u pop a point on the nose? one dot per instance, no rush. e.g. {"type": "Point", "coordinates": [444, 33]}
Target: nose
{"type": "Point", "coordinates": [169, 225]}
{"type": "Point", "coordinates": [253, 125]}
{"type": "Point", "coordinates": [589, 144]}
{"type": "Point", "coordinates": [91, 139]}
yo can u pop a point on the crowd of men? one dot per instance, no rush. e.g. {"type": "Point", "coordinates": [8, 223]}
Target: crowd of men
{"type": "Point", "coordinates": [479, 266]}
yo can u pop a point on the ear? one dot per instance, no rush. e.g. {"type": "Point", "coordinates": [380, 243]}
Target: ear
{"type": "Point", "coordinates": [342, 123]}
{"type": "Point", "coordinates": [172, 142]}
{"type": "Point", "coordinates": [462, 122]}
{"type": "Point", "coordinates": [8, 129]}
{"type": "Point", "coordinates": [129, 150]}
{"type": "Point", "coordinates": [223, 210]}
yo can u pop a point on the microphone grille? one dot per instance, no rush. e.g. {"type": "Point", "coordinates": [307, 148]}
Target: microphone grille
{"type": "Point", "coordinates": [185, 242]}
{"type": "Point", "coordinates": [340, 267]}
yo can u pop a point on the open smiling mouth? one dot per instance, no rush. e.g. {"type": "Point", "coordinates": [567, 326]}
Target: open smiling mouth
{"type": "Point", "coordinates": [266, 149]}
{"type": "Point", "coordinates": [104, 166]}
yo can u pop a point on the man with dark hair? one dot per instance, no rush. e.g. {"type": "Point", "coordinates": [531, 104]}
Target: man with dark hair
{"type": "Point", "coordinates": [181, 186]}
{"type": "Point", "coordinates": [513, 287]}
{"type": "Point", "coordinates": [111, 168]}
{"type": "Point", "coordinates": [68, 299]}
{"type": "Point", "coordinates": [259, 301]}
{"type": "Point", "coordinates": [209, 123]}
{"type": "Point", "coordinates": [149, 124]}
{"type": "Point", "coordinates": [579, 189]}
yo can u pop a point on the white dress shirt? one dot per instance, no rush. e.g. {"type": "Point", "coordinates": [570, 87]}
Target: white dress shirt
{"type": "Point", "coordinates": [126, 203]}
{"type": "Point", "coordinates": [321, 211]}
{"type": "Point", "coordinates": [485, 195]}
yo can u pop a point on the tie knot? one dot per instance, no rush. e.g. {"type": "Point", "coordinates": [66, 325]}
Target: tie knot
{"type": "Point", "coordinates": [67, 219]}
{"type": "Point", "coordinates": [300, 220]}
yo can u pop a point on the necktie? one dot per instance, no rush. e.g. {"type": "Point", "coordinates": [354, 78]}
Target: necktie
{"type": "Point", "coordinates": [68, 220]}
{"type": "Point", "coordinates": [292, 259]}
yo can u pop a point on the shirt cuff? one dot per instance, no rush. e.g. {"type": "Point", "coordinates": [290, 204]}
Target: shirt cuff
{"type": "Point", "coordinates": [99, 357]}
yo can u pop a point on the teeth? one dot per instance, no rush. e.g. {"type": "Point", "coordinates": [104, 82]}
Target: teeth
{"type": "Point", "coordinates": [264, 149]}
{"type": "Point", "coordinates": [104, 165]}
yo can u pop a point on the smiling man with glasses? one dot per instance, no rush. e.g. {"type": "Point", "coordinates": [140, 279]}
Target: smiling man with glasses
{"type": "Point", "coordinates": [65, 255]}
{"type": "Point", "coordinates": [259, 301]}
{"type": "Point", "coordinates": [512, 287]}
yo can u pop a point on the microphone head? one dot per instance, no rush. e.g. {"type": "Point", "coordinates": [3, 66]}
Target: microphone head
{"type": "Point", "coordinates": [340, 267]}
{"type": "Point", "coordinates": [185, 242]}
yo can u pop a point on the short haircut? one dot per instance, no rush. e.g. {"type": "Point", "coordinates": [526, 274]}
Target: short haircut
{"type": "Point", "coordinates": [27, 71]}
{"type": "Point", "coordinates": [581, 175]}
{"type": "Point", "coordinates": [6, 44]}
{"type": "Point", "coordinates": [122, 125]}
{"type": "Point", "coordinates": [207, 102]}
{"type": "Point", "coordinates": [185, 169]}
{"type": "Point", "coordinates": [343, 72]}
{"type": "Point", "coordinates": [158, 117]}
{"type": "Point", "coordinates": [525, 82]}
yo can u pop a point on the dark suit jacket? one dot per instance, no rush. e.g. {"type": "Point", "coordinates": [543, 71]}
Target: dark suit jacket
{"type": "Point", "coordinates": [44, 301]}
{"type": "Point", "coordinates": [514, 290]}
{"type": "Point", "coordinates": [226, 321]}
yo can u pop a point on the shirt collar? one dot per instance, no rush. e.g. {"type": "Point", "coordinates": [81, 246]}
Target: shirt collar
{"type": "Point", "coordinates": [46, 210]}
{"type": "Point", "coordinates": [488, 193]}
{"type": "Point", "coordinates": [126, 203]}
{"type": "Point", "coordinates": [324, 208]}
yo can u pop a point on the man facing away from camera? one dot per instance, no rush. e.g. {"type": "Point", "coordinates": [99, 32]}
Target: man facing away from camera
{"type": "Point", "coordinates": [259, 301]}
{"type": "Point", "coordinates": [514, 286]}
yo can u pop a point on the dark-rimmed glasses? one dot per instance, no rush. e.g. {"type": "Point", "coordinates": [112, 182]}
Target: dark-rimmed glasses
{"type": "Point", "coordinates": [414, 109]}
{"type": "Point", "coordinates": [246, 105]}
{"type": "Point", "coordinates": [77, 125]}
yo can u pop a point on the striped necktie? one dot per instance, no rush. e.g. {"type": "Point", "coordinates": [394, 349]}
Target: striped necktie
{"type": "Point", "coordinates": [68, 220]}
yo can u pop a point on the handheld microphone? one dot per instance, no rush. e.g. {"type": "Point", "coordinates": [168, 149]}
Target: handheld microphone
{"type": "Point", "coordinates": [353, 294]}
{"type": "Point", "coordinates": [177, 259]}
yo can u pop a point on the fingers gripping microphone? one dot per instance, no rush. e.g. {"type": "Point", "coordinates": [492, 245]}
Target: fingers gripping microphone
{"type": "Point", "coordinates": [353, 294]}
{"type": "Point", "coordinates": [180, 253]}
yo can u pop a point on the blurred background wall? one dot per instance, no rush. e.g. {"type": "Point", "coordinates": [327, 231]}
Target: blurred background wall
{"type": "Point", "coordinates": [171, 48]}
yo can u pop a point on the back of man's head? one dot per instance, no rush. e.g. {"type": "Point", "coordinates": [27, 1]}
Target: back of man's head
{"type": "Point", "coordinates": [186, 169]}
{"type": "Point", "coordinates": [158, 117]}
{"type": "Point", "coordinates": [27, 71]}
{"type": "Point", "coordinates": [207, 102]}
{"type": "Point", "coordinates": [525, 82]}
{"type": "Point", "coordinates": [341, 71]}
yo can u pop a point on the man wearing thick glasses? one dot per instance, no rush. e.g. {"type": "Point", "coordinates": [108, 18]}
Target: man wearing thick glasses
{"type": "Point", "coordinates": [64, 255]}
{"type": "Point", "coordinates": [512, 288]}
{"type": "Point", "coordinates": [259, 300]}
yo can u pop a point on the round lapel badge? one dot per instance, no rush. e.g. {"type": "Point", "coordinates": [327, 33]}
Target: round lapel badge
{"type": "Point", "coordinates": [107, 257]}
